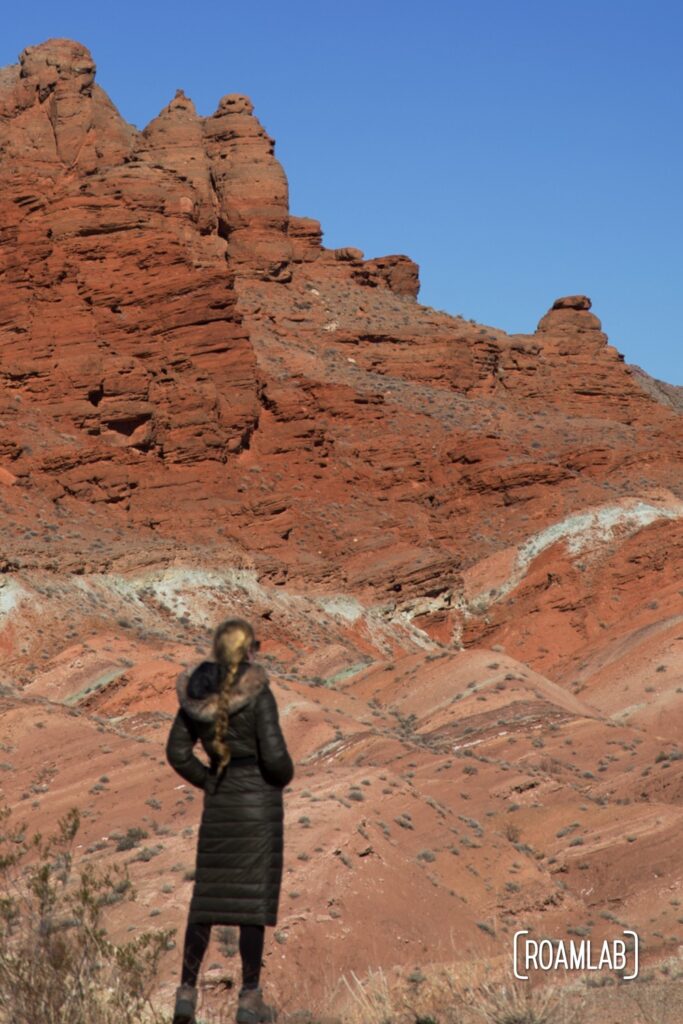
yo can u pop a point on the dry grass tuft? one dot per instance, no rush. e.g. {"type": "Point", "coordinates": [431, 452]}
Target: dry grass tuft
{"type": "Point", "coordinates": [494, 996]}
{"type": "Point", "coordinates": [469, 994]}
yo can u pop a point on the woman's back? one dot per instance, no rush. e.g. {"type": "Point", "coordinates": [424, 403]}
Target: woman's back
{"type": "Point", "coordinates": [229, 707]}
{"type": "Point", "coordinates": [253, 724]}
{"type": "Point", "coordinates": [240, 843]}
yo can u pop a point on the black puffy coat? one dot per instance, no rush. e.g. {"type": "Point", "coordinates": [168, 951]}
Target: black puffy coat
{"type": "Point", "coordinates": [238, 868]}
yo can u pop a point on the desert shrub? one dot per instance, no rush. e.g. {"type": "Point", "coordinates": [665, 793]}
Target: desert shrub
{"type": "Point", "coordinates": [512, 832]}
{"type": "Point", "coordinates": [131, 839]}
{"type": "Point", "coordinates": [486, 927]}
{"type": "Point", "coordinates": [57, 962]}
{"type": "Point", "coordinates": [146, 853]}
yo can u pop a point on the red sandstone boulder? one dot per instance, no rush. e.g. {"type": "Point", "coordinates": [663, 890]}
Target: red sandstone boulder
{"type": "Point", "coordinates": [305, 236]}
{"type": "Point", "coordinates": [348, 254]}
{"type": "Point", "coordinates": [400, 274]}
{"type": "Point", "coordinates": [570, 314]}
{"type": "Point", "coordinates": [572, 302]}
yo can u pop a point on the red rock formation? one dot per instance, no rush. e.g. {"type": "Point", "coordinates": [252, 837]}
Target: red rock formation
{"type": "Point", "coordinates": [398, 273]}
{"type": "Point", "coordinates": [472, 539]}
{"type": "Point", "coordinates": [251, 189]}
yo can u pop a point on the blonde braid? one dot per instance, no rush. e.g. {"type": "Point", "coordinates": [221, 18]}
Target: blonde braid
{"type": "Point", "coordinates": [231, 644]}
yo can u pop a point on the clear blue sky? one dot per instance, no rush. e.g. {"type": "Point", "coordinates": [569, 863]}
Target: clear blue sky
{"type": "Point", "coordinates": [518, 150]}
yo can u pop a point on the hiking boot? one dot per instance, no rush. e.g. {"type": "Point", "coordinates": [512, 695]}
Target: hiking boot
{"type": "Point", "coordinates": [185, 1005]}
{"type": "Point", "coordinates": [252, 1010]}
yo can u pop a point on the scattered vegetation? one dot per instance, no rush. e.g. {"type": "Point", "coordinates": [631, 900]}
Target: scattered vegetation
{"type": "Point", "coordinates": [57, 962]}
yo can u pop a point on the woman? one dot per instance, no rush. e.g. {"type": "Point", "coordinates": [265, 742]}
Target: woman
{"type": "Point", "coordinates": [228, 705]}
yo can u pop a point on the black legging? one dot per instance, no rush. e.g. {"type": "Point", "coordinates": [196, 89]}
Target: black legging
{"type": "Point", "coordinates": [251, 950]}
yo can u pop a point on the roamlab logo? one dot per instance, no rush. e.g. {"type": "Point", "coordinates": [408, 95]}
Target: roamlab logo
{"type": "Point", "coordinates": [555, 954]}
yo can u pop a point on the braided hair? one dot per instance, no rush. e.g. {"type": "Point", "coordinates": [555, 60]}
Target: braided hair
{"type": "Point", "coordinates": [231, 643]}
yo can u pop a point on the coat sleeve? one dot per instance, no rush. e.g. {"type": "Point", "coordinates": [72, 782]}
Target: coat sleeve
{"type": "Point", "coordinates": [180, 751]}
{"type": "Point", "coordinates": [274, 758]}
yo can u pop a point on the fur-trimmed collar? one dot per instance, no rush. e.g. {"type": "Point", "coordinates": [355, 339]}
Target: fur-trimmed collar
{"type": "Point", "coordinates": [197, 689]}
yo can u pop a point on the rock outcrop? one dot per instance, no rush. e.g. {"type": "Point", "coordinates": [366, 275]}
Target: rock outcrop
{"type": "Point", "coordinates": [171, 325]}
